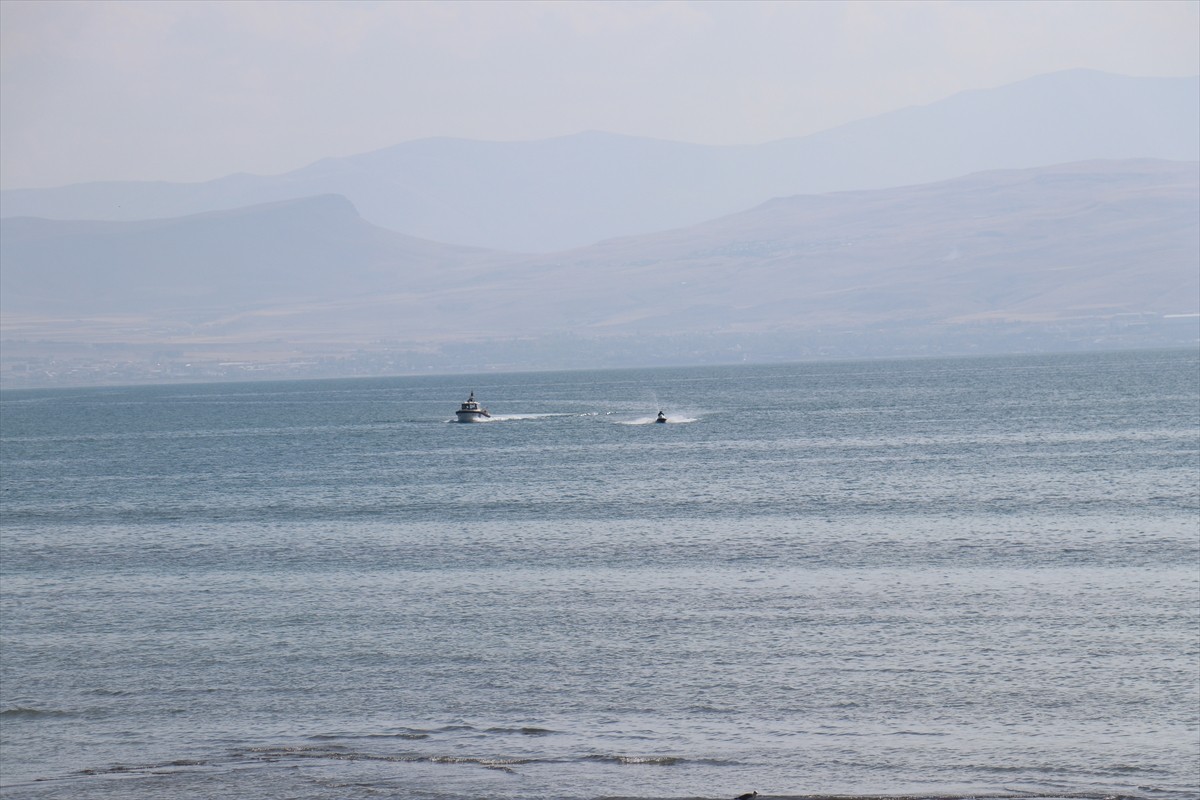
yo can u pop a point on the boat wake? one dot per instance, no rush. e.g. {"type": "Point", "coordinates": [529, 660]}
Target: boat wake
{"type": "Point", "coordinates": [654, 420]}
{"type": "Point", "coordinates": [511, 417]}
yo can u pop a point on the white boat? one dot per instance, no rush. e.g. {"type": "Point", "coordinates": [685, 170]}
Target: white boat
{"type": "Point", "coordinates": [471, 411]}
{"type": "Point", "coordinates": [661, 417]}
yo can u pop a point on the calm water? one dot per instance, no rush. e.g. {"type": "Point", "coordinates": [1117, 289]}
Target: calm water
{"type": "Point", "coordinates": [943, 578]}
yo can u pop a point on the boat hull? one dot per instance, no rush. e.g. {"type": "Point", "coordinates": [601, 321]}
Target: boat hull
{"type": "Point", "coordinates": [471, 416]}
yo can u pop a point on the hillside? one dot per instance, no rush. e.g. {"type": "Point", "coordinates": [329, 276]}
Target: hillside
{"type": "Point", "coordinates": [1075, 250]}
{"type": "Point", "coordinates": [1085, 239]}
{"type": "Point", "coordinates": [294, 251]}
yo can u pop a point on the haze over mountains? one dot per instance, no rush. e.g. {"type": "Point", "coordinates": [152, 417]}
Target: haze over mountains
{"type": "Point", "coordinates": [573, 191]}
{"type": "Point", "coordinates": [716, 260]}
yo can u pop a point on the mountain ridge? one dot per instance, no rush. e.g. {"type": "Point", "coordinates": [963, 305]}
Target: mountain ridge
{"type": "Point", "coordinates": [575, 190]}
{"type": "Point", "coordinates": [234, 260]}
{"type": "Point", "coordinates": [1074, 255]}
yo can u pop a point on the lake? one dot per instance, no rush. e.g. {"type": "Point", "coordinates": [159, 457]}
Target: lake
{"type": "Point", "coordinates": [932, 578]}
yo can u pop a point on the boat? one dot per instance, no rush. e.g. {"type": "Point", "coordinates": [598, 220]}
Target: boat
{"type": "Point", "coordinates": [661, 417]}
{"type": "Point", "coordinates": [471, 411]}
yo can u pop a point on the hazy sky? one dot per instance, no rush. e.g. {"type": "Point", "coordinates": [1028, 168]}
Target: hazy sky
{"type": "Point", "coordinates": [167, 90]}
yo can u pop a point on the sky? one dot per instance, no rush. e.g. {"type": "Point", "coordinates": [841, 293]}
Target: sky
{"type": "Point", "coordinates": [177, 90]}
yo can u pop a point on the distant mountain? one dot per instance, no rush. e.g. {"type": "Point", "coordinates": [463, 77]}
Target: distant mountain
{"type": "Point", "coordinates": [1089, 245]}
{"type": "Point", "coordinates": [577, 190]}
{"type": "Point", "coordinates": [217, 263]}
{"type": "Point", "coordinates": [1083, 240]}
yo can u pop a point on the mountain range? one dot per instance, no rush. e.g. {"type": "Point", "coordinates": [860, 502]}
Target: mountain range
{"type": "Point", "coordinates": [572, 191]}
{"type": "Point", "coordinates": [1061, 212]}
{"type": "Point", "coordinates": [1086, 245]}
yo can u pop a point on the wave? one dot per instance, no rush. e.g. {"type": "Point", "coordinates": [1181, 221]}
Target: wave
{"type": "Point", "coordinates": [320, 737]}
{"type": "Point", "coordinates": [511, 417]}
{"type": "Point", "coordinates": [280, 755]}
{"type": "Point", "coordinates": [152, 768]}
{"type": "Point", "coordinates": [659, 761]}
{"type": "Point", "coordinates": [1014, 794]}
{"type": "Point", "coordinates": [873, 734]}
{"type": "Point", "coordinates": [524, 731]}
{"type": "Point", "coordinates": [27, 712]}
{"type": "Point", "coordinates": [335, 753]}
{"type": "Point", "coordinates": [478, 760]}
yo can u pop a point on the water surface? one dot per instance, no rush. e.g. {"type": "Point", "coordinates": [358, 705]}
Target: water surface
{"type": "Point", "coordinates": [938, 578]}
